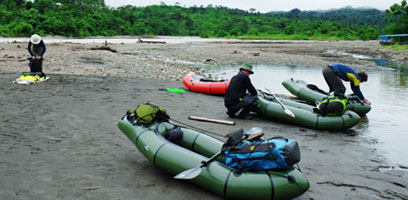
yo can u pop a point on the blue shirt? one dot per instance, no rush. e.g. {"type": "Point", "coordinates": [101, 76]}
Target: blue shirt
{"type": "Point", "coordinates": [347, 74]}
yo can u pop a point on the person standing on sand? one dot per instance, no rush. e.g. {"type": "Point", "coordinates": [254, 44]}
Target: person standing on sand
{"type": "Point", "coordinates": [334, 72]}
{"type": "Point", "coordinates": [236, 97]}
{"type": "Point", "coordinates": [36, 48]}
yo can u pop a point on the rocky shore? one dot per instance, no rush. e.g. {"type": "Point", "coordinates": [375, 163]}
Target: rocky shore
{"type": "Point", "coordinates": [58, 139]}
{"type": "Point", "coordinates": [172, 58]}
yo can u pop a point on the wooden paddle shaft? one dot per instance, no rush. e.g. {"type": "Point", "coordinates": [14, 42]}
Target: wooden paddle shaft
{"type": "Point", "coordinates": [212, 120]}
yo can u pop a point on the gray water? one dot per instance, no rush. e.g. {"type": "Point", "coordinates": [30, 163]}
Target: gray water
{"type": "Point", "coordinates": [387, 90]}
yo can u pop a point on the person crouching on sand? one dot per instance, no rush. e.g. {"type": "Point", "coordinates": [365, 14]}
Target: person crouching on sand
{"type": "Point", "coordinates": [236, 97]}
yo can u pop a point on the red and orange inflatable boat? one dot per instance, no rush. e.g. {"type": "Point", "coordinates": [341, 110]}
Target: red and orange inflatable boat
{"type": "Point", "coordinates": [198, 84]}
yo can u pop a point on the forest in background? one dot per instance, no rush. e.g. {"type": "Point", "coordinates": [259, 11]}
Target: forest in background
{"type": "Point", "coordinates": [82, 18]}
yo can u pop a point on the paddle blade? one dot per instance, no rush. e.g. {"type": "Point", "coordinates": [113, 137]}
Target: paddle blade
{"type": "Point", "coordinates": [254, 130]}
{"type": "Point", "coordinates": [289, 112]}
{"type": "Point", "coordinates": [189, 174]}
{"type": "Point", "coordinates": [176, 90]}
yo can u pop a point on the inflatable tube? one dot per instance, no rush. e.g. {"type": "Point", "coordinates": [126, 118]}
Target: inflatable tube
{"type": "Point", "coordinates": [299, 88]}
{"type": "Point", "coordinates": [197, 84]}
{"type": "Point", "coordinates": [270, 108]}
{"type": "Point", "coordinates": [195, 147]}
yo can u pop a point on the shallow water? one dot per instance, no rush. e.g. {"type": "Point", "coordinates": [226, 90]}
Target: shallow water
{"type": "Point", "coordinates": [387, 90]}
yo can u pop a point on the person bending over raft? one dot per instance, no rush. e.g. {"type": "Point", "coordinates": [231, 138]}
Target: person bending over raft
{"type": "Point", "coordinates": [36, 48]}
{"type": "Point", "coordinates": [236, 97]}
{"type": "Point", "coordinates": [334, 72]}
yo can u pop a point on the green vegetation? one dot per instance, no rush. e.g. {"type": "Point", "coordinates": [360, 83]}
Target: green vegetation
{"type": "Point", "coordinates": [397, 47]}
{"type": "Point", "coordinates": [81, 18]}
{"type": "Point", "coordinates": [397, 18]}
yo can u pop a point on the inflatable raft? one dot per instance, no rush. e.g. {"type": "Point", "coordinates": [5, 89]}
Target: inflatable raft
{"type": "Point", "coordinates": [194, 147]}
{"type": "Point", "coordinates": [311, 94]}
{"type": "Point", "coordinates": [198, 84]}
{"type": "Point", "coordinates": [269, 107]}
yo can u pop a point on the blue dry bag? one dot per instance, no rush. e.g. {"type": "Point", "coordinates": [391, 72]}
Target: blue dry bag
{"type": "Point", "coordinates": [260, 155]}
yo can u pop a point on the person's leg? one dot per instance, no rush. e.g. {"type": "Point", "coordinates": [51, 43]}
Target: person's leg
{"type": "Point", "coordinates": [250, 102]}
{"type": "Point", "coordinates": [233, 109]}
{"type": "Point", "coordinates": [333, 81]}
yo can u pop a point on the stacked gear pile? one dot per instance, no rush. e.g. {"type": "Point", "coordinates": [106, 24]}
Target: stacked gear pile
{"type": "Point", "coordinates": [333, 105]}
{"type": "Point", "coordinates": [257, 154]}
{"type": "Point", "coordinates": [147, 113]}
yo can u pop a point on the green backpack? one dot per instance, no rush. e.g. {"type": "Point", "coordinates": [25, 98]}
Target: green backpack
{"type": "Point", "coordinates": [333, 105]}
{"type": "Point", "coordinates": [147, 113]}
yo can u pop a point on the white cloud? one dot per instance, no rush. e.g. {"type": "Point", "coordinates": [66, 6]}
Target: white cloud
{"type": "Point", "coordinates": [266, 5]}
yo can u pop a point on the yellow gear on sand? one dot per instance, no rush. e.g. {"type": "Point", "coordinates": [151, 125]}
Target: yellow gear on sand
{"type": "Point", "coordinates": [30, 78]}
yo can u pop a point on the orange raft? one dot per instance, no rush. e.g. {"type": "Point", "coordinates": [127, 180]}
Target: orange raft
{"type": "Point", "coordinates": [198, 84]}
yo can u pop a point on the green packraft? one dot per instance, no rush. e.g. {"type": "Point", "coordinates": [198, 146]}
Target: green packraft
{"type": "Point", "coordinates": [333, 105]}
{"type": "Point", "coordinates": [147, 113]}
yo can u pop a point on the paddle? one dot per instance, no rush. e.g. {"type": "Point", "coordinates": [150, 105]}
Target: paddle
{"type": "Point", "coordinates": [254, 132]}
{"type": "Point", "coordinates": [287, 111]}
{"type": "Point", "coordinates": [194, 172]}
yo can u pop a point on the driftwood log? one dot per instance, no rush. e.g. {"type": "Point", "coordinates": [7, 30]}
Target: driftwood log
{"type": "Point", "coordinates": [153, 42]}
{"type": "Point", "coordinates": [246, 52]}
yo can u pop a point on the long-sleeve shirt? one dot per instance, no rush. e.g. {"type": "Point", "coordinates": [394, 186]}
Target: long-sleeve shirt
{"type": "Point", "coordinates": [41, 44]}
{"type": "Point", "coordinates": [347, 74]}
{"type": "Point", "coordinates": [238, 87]}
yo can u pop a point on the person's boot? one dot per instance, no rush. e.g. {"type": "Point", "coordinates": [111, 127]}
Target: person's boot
{"type": "Point", "coordinates": [247, 116]}
{"type": "Point", "coordinates": [231, 114]}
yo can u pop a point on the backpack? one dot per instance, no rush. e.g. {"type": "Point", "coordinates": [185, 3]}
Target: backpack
{"type": "Point", "coordinates": [35, 65]}
{"type": "Point", "coordinates": [259, 155]}
{"type": "Point", "coordinates": [147, 113]}
{"type": "Point", "coordinates": [333, 105]}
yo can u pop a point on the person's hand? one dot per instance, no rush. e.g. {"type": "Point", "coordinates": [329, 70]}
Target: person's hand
{"type": "Point", "coordinates": [39, 57]}
{"type": "Point", "coordinates": [367, 101]}
{"type": "Point", "coordinates": [32, 57]}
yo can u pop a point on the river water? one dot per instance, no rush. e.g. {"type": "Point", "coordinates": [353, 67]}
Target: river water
{"type": "Point", "coordinates": [386, 89]}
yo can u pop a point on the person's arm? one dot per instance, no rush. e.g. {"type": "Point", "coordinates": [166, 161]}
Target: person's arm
{"type": "Point", "coordinates": [367, 101]}
{"type": "Point", "coordinates": [355, 86]}
{"type": "Point", "coordinates": [29, 49]}
{"type": "Point", "coordinates": [44, 48]}
{"type": "Point", "coordinates": [251, 88]}
{"type": "Point", "coordinates": [357, 91]}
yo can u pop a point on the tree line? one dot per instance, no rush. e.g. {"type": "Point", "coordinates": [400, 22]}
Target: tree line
{"type": "Point", "coordinates": [82, 18]}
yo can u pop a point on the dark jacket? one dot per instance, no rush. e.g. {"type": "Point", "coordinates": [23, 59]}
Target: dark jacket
{"type": "Point", "coordinates": [41, 44]}
{"type": "Point", "coordinates": [238, 87]}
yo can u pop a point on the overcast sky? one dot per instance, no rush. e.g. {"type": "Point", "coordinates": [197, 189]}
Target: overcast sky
{"type": "Point", "coordinates": [266, 5]}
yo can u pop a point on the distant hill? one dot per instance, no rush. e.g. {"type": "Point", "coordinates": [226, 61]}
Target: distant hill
{"type": "Point", "coordinates": [81, 18]}
{"type": "Point", "coordinates": [347, 16]}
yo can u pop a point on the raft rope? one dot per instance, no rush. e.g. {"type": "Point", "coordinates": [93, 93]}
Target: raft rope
{"type": "Point", "coordinates": [289, 177]}
{"type": "Point", "coordinates": [197, 129]}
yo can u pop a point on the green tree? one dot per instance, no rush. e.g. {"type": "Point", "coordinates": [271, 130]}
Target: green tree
{"type": "Point", "coordinates": [397, 17]}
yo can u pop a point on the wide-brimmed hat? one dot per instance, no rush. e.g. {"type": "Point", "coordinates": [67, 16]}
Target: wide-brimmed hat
{"type": "Point", "coordinates": [35, 39]}
{"type": "Point", "coordinates": [247, 68]}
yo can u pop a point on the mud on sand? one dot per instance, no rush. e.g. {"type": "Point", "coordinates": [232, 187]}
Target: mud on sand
{"type": "Point", "coordinates": [58, 139]}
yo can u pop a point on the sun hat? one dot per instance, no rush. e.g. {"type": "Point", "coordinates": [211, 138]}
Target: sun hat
{"type": "Point", "coordinates": [247, 67]}
{"type": "Point", "coordinates": [35, 39]}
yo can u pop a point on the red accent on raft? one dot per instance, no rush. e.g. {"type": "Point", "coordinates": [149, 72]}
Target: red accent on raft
{"type": "Point", "coordinates": [196, 84]}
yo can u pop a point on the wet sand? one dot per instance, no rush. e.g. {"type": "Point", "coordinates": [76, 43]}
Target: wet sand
{"type": "Point", "coordinates": [58, 139]}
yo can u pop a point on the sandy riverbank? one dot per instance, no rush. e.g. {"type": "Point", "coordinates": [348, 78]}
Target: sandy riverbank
{"type": "Point", "coordinates": [59, 139]}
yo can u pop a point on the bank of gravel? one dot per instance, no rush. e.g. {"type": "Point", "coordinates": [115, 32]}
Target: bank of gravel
{"type": "Point", "coordinates": [171, 61]}
{"type": "Point", "coordinates": [58, 139]}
